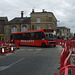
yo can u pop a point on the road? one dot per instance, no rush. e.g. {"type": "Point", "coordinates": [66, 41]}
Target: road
{"type": "Point", "coordinates": [31, 61]}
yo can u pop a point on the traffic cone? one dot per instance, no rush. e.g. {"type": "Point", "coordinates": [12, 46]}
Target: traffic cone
{"type": "Point", "coordinates": [3, 51]}
{"type": "Point", "coordinates": [12, 49]}
{"type": "Point", "coordinates": [60, 43]}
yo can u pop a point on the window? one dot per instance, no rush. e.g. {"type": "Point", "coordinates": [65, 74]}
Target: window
{"type": "Point", "coordinates": [24, 28]}
{"type": "Point", "coordinates": [49, 27]}
{"type": "Point", "coordinates": [30, 36]}
{"type": "Point", "coordinates": [37, 35]}
{"type": "Point", "coordinates": [32, 27]}
{"type": "Point", "coordinates": [38, 20]}
{"type": "Point", "coordinates": [14, 29]}
{"type": "Point", "coordinates": [18, 36]}
{"type": "Point", "coordinates": [26, 36]}
{"type": "Point", "coordinates": [57, 30]}
{"type": "Point", "coordinates": [6, 30]}
{"type": "Point", "coordinates": [67, 33]}
{"type": "Point", "coordinates": [50, 19]}
{"type": "Point", "coordinates": [38, 27]}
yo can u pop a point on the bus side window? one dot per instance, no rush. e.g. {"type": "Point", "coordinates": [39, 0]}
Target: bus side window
{"type": "Point", "coordinates": [16, 37]}
{"type": "Point", "coordinates": [43, 36]}
{"type": "Point", "coordinates": [23, 36]}
{"type": "Point", "coordinates": [32, 34]}
{"type": "Point", "coordinates": [37, 35]}
{"type": "Point", "coordinates": [26, 36]}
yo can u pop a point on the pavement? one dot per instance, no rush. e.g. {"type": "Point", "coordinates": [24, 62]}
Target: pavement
{"type": "Point", "coordinates": [31, 61]}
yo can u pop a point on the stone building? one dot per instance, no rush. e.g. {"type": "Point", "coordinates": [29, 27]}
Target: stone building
{"type": "Point", "coordinates": [3, 20]}
{"type": "Point", "coordinates": [37, 20]}
{"type": "Point", "coordinates": [17, 24]}
{"type": "Point", "coordinates": [43, 19]}
{"type": "Point", "coordinates": [63, 32]}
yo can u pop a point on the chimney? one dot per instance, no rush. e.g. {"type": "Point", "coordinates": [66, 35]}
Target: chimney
{"type": "Point", "coordinates": [22, 14]}
{"type": "Point", "coordinates": [32, 10]}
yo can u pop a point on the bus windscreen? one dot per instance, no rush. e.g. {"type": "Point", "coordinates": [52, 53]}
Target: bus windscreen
{"type": "Point", "coordinates": [50, 36]}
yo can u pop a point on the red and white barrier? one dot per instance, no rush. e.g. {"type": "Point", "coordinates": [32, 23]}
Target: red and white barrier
{"type": "Point", "coordinates": [3, 51]}
{"type": "Point", "coordinates": [12, 49]}
{"type": "Point", "coordinates": [65, 58]}
{"type": "Point", "coordinates": [8, 47]}
{"type": "Point", "coordinates": [65, 70]}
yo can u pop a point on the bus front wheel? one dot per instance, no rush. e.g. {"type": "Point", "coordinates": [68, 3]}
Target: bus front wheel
{"type": "Point", "coordinates": [43, 44]}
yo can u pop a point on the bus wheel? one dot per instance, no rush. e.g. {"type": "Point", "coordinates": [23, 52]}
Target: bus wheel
{"type": "Point", "coordinates": [43, 45]}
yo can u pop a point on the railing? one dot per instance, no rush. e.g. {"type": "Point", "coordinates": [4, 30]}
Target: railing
{"type": "Point", "coordinates": [69, 48]}
{"type": "Point", "coordinates": [68, 70]}
{"type": "Point", "coordinates": [67, 60]}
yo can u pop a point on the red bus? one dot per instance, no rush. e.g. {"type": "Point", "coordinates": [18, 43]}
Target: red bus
{"type": "Point", "coordinates": [42, 37]}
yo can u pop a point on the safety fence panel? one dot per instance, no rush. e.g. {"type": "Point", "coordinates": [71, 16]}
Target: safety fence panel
{"type": "Point", "coordinates": [68, 70]}
{"type": "Point", "coordinates": [68, 53]}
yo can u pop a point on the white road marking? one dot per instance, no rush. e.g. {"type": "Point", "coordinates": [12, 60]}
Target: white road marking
{"type": "Point", "coordinates": [38, 50]}
{"type": "Point", "coordinates": [20, 50]}
{"type": "Point", "coordinates": [5, 67]}
{"type": "Point", "coordinates": [8, 54]}
{"type": "Point", "coordinates": [30, 49]}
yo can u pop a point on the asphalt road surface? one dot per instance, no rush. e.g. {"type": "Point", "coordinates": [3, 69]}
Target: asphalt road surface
{"type": "Point", "coordinates": [31, 61]}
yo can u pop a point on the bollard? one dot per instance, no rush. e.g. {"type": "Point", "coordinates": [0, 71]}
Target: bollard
{"type": "Point", "coordinates": [55, 73]}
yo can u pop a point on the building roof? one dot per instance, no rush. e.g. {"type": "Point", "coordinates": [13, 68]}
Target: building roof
{"type": "Point", "coordinates": [62, 28]}
{"type": "Point", "coordinates": [4, 18]}
{"type": "Point", "coordinates": [43, 12]}
{"type": "Point", "coordinates": [19, 20]}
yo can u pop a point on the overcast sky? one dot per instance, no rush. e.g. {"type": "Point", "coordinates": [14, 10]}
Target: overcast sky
{"type": "Point", "coordinates": [63, 10]}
